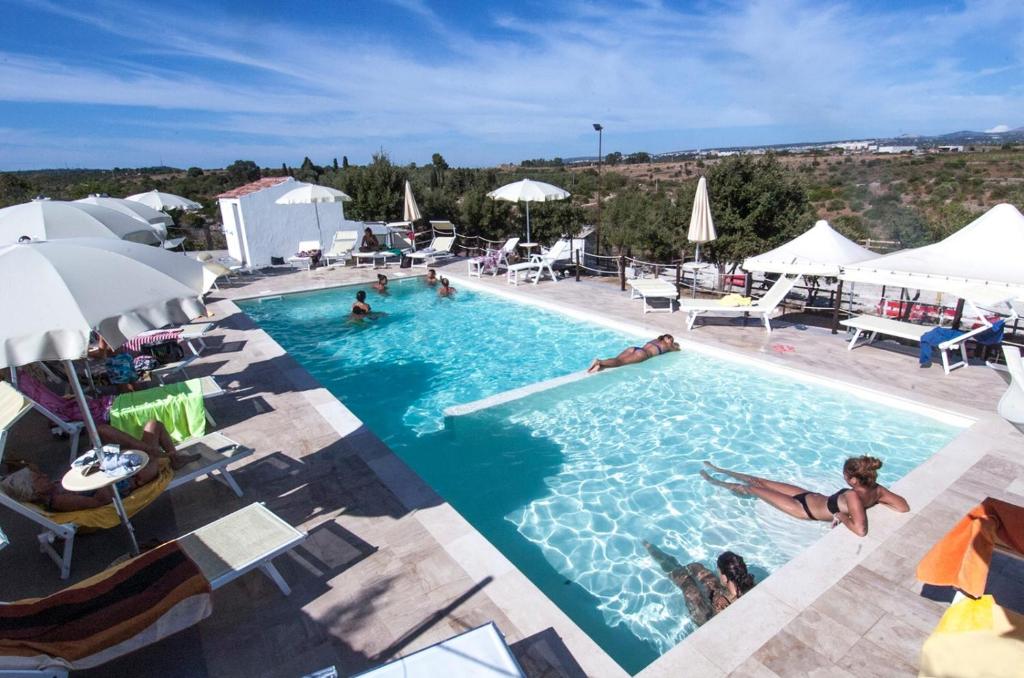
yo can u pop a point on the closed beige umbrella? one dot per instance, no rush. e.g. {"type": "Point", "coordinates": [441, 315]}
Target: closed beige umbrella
{"type": "Point", "coordinates": [702, 227]}
{"type": "Point", "coordinates": [412, 210]}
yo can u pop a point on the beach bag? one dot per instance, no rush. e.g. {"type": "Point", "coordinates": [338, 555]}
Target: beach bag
{"type": "Point", "coordinates": [166, 352]}
{"type": "Point", "coordinates": [277, 261]}
{"type": "Point", "coordinates": [406, 262]}
{"type": "Point", "coordinates": [121, 369]}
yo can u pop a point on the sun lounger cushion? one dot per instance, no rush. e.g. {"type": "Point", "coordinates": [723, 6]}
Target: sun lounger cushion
{"type": "Point", "coordinates": [179, 407]}
{"type": "Point", "coordinates": [105, 517]}
{"type": "Point", "coordinates": [148, 597]}
{"type": "Point", "coordinates": [961, 558]}
{"type": "Point", "coordinates": [975, 639]}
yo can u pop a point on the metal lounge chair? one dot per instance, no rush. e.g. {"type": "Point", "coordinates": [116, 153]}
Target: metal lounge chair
{"type": "Point", "coordinates": [763, 307]}
{"type": "Point", "coordinates": [216, 451]}
{"type": "Point", "coordinates": [157, 594]}
{"type": "Point", "coordinates": [538, 263]}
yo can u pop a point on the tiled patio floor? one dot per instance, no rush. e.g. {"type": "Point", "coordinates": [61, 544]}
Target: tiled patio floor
{"type": "Point", "coordinates": [390, 568]}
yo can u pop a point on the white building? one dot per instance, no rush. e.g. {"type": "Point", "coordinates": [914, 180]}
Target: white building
{"type": "Point", "coordinates": [257, 228]}
{"type": "Point", "coordinates": [896, 149]}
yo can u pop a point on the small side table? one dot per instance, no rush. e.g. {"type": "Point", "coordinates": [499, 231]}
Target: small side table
{"type": "Point", "coordinates": [75, 481]}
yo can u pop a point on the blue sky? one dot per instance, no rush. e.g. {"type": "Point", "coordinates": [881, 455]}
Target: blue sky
{"type": "Point", "coordinates": [110, 83]}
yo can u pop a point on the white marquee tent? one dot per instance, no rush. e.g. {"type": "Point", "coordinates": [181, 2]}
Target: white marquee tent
{"type": "Point", "coordinates": [821, 250]}
{"type": "Point", "coordinates": [982, 261]}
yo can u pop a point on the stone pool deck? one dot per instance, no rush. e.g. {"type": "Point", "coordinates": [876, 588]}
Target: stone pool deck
{"type": "Point", "coordinates": [390, 568]}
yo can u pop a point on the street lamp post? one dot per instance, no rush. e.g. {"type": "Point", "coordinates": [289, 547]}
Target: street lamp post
{"type": "Point", "coordinates": [599, 128]}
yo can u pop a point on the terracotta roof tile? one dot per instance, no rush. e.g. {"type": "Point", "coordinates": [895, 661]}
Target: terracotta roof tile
{"type": "Point", "coordinates": [258, 185]}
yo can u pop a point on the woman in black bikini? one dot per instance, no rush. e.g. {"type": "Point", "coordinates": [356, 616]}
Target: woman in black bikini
{"type": "Point", "coordinates": [636, 354]}
{"type": "Point", "coordinates": [847, 506]}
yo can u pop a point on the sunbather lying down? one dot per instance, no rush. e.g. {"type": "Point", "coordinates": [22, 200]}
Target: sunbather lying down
{"type": "Point", "coordinates": [32, 485]}
{"type": "Point", "coordinates": [636, 354]}
{"type": "Point", "coordinates": [156, 442]}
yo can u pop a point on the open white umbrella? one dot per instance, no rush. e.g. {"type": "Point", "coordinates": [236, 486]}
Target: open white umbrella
{"type": "Point", "coordinates": [702, 227]}
{"type": "Point", "coordinates": [410, 211]}
{"type": "Point", "coordinates": [55, 219]}
{"type": "Point", "coordinates": [528, 191]}
{"type": "Point", "coordinates": [314, 194]}
{"type": "Point", "coordinates": [159, 200]}
{"type": "Point", "coordinates": [157, 220]}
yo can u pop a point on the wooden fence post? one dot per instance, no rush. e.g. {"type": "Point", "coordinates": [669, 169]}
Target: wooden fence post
{"type": "Point", "coordinates": [622, 273]}
{"type": "Point", "coordinates": [577, 265]}
{"type": "Point", "coordinates": [835, 308]}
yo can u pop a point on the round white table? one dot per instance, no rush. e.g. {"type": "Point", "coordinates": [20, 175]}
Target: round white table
{"type": "Point", "coordinates": [76, 481]}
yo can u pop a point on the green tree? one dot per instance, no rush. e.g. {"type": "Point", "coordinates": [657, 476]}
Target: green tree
{"type": "Point", "coordinates": [757, 204]}
{"type": "Point", "coordinates": [194, 172]}
{"type": "Point", "coordinates": [242, 171]}
{"type": "Point", "coordinates": [949, 219]}
{"type": "Point", "coordinates": [14, 190]}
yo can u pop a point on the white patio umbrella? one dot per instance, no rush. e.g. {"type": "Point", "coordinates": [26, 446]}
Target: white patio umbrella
{"type": "Point", "coordinates": [411, 211]}
{"type": "Point", "coordinates": [702, 227]}
{"type": "Point", "coordinates": [159, 200]}
{"type": "Point", "coordinates": [528, 191]}
{"type": "Point", "coordinates": [56, 219]}
{"type": "Point", "coordinates": [313, 194]}
{"type": "Point", "coordinates": [157, 220]}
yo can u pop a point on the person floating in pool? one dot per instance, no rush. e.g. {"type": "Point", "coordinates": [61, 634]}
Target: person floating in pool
{"type": "Point", "coordinates": [360, 309]}
{"type": "Point", "coordinates": [636, 354]}
{"type": "Point", "coordinates": [382, 283]}
{"type": "Point", "coordinates": [706, 595]}
{"type": "Point", "coordinates": [431, 278]}
{"type": "Point", "coordinates": [847, 506]}
{"type": "Point", "coordinates": [446, 289]}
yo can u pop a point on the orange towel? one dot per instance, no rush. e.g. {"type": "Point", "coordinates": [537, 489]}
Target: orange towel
{"type": "Point", "coordinates": [961, 558]}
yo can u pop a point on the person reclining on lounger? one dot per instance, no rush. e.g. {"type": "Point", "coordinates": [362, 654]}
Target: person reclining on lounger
{"type": "Point", "coordinates": [156, 442]}
{"type": "Point", "coordinates": [30, 485]}
{"type": "Point", "coordinates": [706, 595]}
{"type": "Point", "coordinates": [636, 354]}
{"type": "Point", "coordinates": [847, 506]}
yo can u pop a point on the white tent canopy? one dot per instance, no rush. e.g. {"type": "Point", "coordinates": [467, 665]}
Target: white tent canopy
{"type": "Point", "coordinates": [984, 260]}
{"type": "Point", "coordinates": [821, 250]}
{"type": "Point", "coordinates": [55, 219]}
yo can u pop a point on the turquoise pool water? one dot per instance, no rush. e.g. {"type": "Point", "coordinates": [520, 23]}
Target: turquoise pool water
{"type": "Point", "coordinates": [568, 483]}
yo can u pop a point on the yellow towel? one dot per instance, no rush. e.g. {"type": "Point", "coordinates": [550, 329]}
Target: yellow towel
{"type": "Point", "coordinates": [734, 300]}
{"type": "Point", "coordinates": [975, 638]}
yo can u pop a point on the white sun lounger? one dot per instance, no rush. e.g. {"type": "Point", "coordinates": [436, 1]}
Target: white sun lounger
{"type": "Point", "coordinates": [216, 451]}
{"type": "Point", "coordinates": [538, 263]}
{"type": "Point", "coordinates": [341, 248]}
{"type": "Point", "coordinates": [645, 289]}
{"type": "Point", "coordinates": [305, 246]}
{"type": "Point", "coordinates": [224, 550]}
{"type": "Point", "coordinates": [440, 248]}
{"type": "Point", "coordinates": [763, 307]}
{"type": "Point", "coordinates": [479, 653]}
{"type": "Point", "coordinates": [494, 260]}
{"type": "Point", "coordinates": [874, 326]}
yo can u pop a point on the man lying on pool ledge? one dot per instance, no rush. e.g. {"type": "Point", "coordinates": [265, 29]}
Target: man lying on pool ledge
{"type": "Point", "coordinates": [636, 354]}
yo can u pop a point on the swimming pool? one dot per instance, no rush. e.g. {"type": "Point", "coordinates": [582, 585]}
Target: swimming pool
{"type": "Point", "coordinates": [578, 476]}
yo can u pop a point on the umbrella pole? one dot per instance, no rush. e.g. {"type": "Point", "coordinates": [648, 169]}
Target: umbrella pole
{"type": "Point", "coordinates": [316, 211]}
{"type": "Point", "coordinates": [90, 425]}
{"type": "Point", "coordinates": [528, 221]}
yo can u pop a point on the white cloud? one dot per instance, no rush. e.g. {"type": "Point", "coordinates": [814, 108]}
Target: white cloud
{"type": "Point", "coordinates": [998, 129]}
{"type": "Point", "coordinates": [533, 88]}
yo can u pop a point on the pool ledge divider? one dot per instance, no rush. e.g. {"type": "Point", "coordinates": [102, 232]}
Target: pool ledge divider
{"type": "Point", "coordinates": [514, 394]}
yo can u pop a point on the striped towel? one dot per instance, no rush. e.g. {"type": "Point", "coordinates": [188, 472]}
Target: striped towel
{"type": "Point", "coordinates": [136, 343]}
{"type": "Point", "coordinates": [148, 597]}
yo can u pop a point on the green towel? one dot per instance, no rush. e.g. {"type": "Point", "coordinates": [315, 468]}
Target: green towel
{"type": "Point", "coordinates": [179, 407]}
